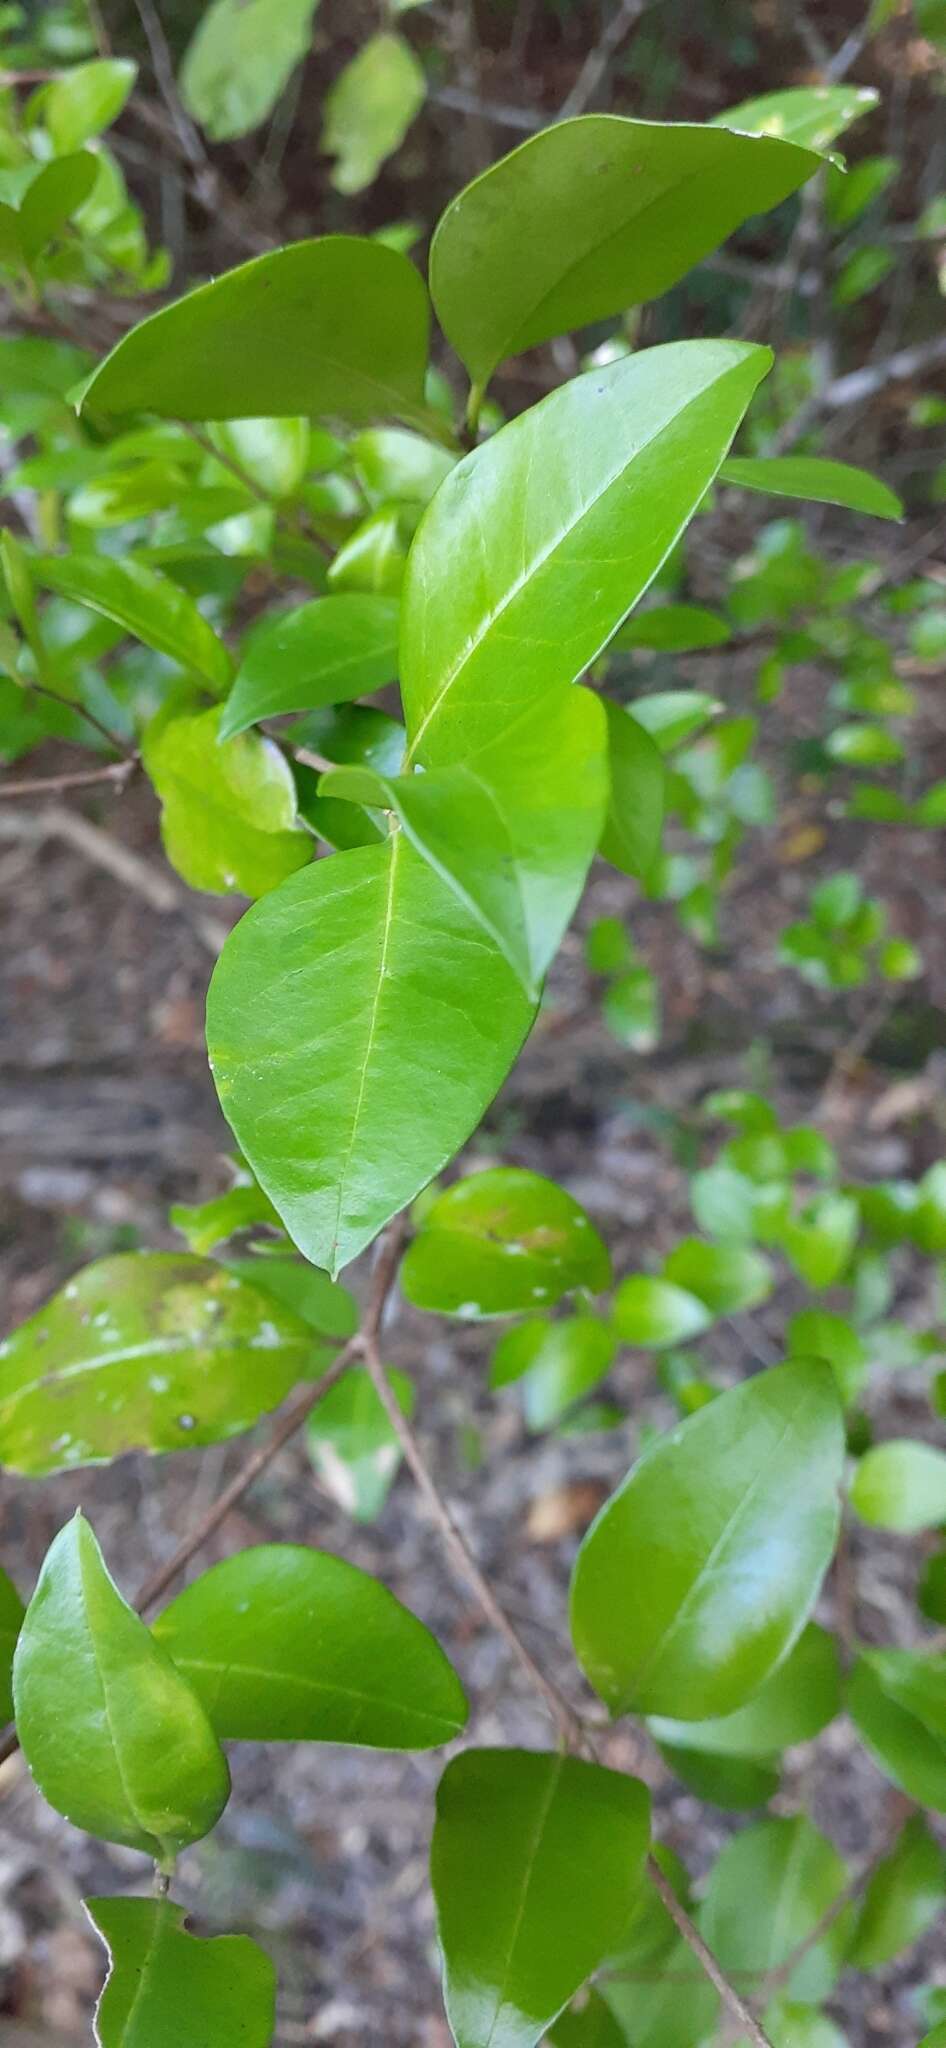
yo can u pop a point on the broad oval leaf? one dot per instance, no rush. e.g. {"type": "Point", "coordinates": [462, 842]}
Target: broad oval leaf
{"type": "Point", "coordinates": [155, 1351]}
{"type": "Point", "coordinates": [164, 1987]}
{"type": "Point", "coordinates": [673, 629]}
{"type": "Point", "coordinates": [905, 1748]}
{"type": "Point", "coordinates": [906, 1893]}
{"type": "Point", "coordinates": [655, 1313]}
{"type": "Point", "coordinates": [588, 217]}
{"type": "Point", "coordinates": [144, 603]}
{"type": "Point", "coordinates": [538, 544]}
{"type": "Point", "coordinates": [351, 1443]}
{"type": "Point", "coordinates": [809, 115]}
{"type": "Point", "coordinates": [811, 477]}
{"type": "Point", "coordinates": [727, 1277]}
{"type": "Point", "coordinates": [86, 98]}
{"type": "Point", "coordinates": [766, 1894]}
{"type": "Point", "coordinates": [369, 108]}
{"type": "Point", "coordinates": [512, 828]}
{"type": "Point", "coordinates": [900, 1485]}
{"type": "Point", "coordinates": [287, 1644]}
{"type": "Point", "coordinates": [499, 1242]}
{"type": "Point", "coordinates": [228, 807]}
{"type": "Point", "coordinates": [12, 1611]}
{"type": "Point", "coordinates": [798, 1699]}
{"type": "Point", "coordinates": [348, 1042]}
{"type": "Point", "coordinates": [516, 1947]}
{"type": "Point", "coordinates": [699, 1574]}
{"type": "Point", "coordinates": [555, 1363]}
{"type": "Point", "coordinates": [324, 1304]}
{"type": "Point", "coordinates": [240, 59]}
{"type": "Point", "coordinates": [142, 1765]}
{"type": "Point", "coordinates": [54, 197]}
{"type": "Point", "coordinates": [325, 652]}
{"type": "Point", "coordinates": [631, 837]}
{"type": "Point", "coordinates": [336, 326]}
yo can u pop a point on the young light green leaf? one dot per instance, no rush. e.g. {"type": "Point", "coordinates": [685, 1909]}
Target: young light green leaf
{"type": "Point", "coordinates": [655, 1313]}
{"type": "Point", "coordinates": [811, 116]}
{"type": "Point", "coordinates": [228, 809]}
{"type": "Point", "coordinates": [204, 1225]}
{"type": "Point", "coordinates": [631, 837]}
{"type": "Point", "coordinates": [561, 521]}
{"type": "Point", "coordinates": [900, 1485]}
{"type": "Point", "coordinates": [272, 453]}
{"type": "Point", "coordinates": [11, 1620]}
{"type": "Point", "coordinates": [325, 652]}
{"type": "Point", "coordinates": [240, 60]}
{"type": "Point", "coordinates": [501, 281]}
{"type": "Point", "coordinates": [165, 1988]}
{"type": "Point", "coordinates": [287, 1644]}
{"type": "Point", "coordinates": [333, 1004]}
{"type": "Point", "coordinates": [351, 1442]}
{"type": "Point", "coordinates": [142, 1765]}
{"type": "Point", "coordinates": [673, 715]}
{"type": "Point", "coordinates": [369, 109]}
{"type": "Point", "coordinates": [811, 477]}
{"type": "Point", "coordinates": [54, 197]}
{"type": "Point", "coordinates": [512, 828]}
{"type": "Point", "coordinates": [80, 102]}
{"type": "Point", "coordinates": [154, 1351]}
{"type": "Point", "coordinates": [766, 1893]}
{"type": "Point", "coordinates": [336, 326]}
{"type": "Point", "coordinates": [727, 1277]}
{"type": "Point", "coordinates": [699, 1574]}
{"type": "Point", "coordinates": [555, 1363]}
{"type": "Point", "coordinates": [144, 603]}
{"type": "Point", "coordinates": [820, 1241]}
{"type": "Point", "coordinates": [798, 1699]}
{"type": "Point", "coordinates": [673, 629]}
{"type": "Point", "coordinates": [905, 1895]}
{"type": "Point", "coordinates": [905, 1748]}
{"type": "Point", "coordinates": [515, 1949]}
{"type": "Point", "coordinates": [499, 1242]}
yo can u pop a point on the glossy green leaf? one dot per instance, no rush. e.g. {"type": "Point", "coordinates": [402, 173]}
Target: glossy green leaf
{"type": "Point", "coordinates": [906, 1893]}
{"type": "Point", "coordinates": [673, 715]}
{"type": "Point", "coordinates": [287, 1644]}
{"type": "Point", "coordinates": [325, 652]}
{"type": "Point", "coordinates": [228, 816]}
{"type": "Point", "coordinates": [539, 542]}
{"type": "Point", "coordinates": [501, 281]}
{"type": "Point", "coordinates": [54, 197]}
{"type": "Point", "coordinates": [240, 60]}
{"type": "Point", "coordinates": [273, 453]}
{"type": "Point", "coordinates": [322, 1303]}
{"type": "Point", "coordinates": [766, 1893]}
{"type": "Point", "coordinates": [555, 1363]}
{"type": "Point", "coordinates": [142, 1765]}
{"type": "Point", "coordinates": [900, 1485]}
{"type": "Point", "coordinates": [655, 1313]}
{"type": "Point", "coordinates": [727, 1277]}
{"type": "Point", "coordinates": [83, 100]}
{"type": "Point", "coordinates": [811, 116]}
{"type": "Point", "coordinates": [512, 828]}
{"type": "Point", "coordinates": [674, 628]}
{"type": "Point", "coordinates": [905, 1748]}
{"type": "Point", "coordinates": [352, 1444]}
{"type": "Point", "coordinates": [811, 477]}
{"type": "Point", "coordinates": [153, 1351]}
{"type": "Point", "coordinates": [11, 1618]}
{"type": "Point", "coordinates": [590, 2025]}
{"type": "Point", "coordinates": [699, 1574]}
{"type": "Point", "coordinates": [798, 1699]}
{"type": "Point", "coordinates": [631, 837]}
{"type": "Point", "coordinates": [563, 1844]}
{"type": "Point", "coordinates": [373, 557]}
{"type": "Point", "coordinates": [336, 326]}
{"type": "Point", "coordinates": [369, 109]}
{"type": "Point", "coordinates": [499, 1242]}
{"type": "Point", "coordinates": [144, 603]}
{"type": "Point", "coordinates": [165, 1988]}
{"type": "Point", "coordinates": [393, 464]}
{"type": "Point", "coordinates": [356, 983]}
{"type": "Point", "coordinates": [734, 1782]}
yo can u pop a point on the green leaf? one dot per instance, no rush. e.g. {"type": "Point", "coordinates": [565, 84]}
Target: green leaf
{"type": "Point", "coordinates": [154, 1351]}
{"type": "Point", "coordinates": [811, 116]}
{"type": "Point", "coordinates": [240, 60]}
{"type": "Point", "coordinates": [54, 197]}
{"type": "Point", "coordinates": [798, 1699]}
{"type": "Point", "coordinates": [727, 1277]}
{"type": "Point", "coordinates": [369, 109]}
{"type": "Point", "coordinates": [325, 652]}
{"type": "Point", "coordinates": [511, 829]}
{"type": "Point", "coordinates": [330, 1012]}
{"type": "Point", "coordinates": [274, 454]}
{"type": "Point", "coordinates": [391, 464]}
{"type": "Point", "coordinates": [766, 1893]}
{"type": "Point", "coordinates": [655, 1313]}
{"type": "Point", "coordinates": [905, 1895]}
{"type": "Point", "coordinates": [522, 254]}
{"type": "Point", "coordinates": [816, 1333]}
{"type": "Point", "coordinates": [11, 1618]}
{"type": "Point", "coordinates": [499, 1242]}
{"type": "Point", "coordinates": [322, 1303]}
{"type": "Point", "coordinates": [591, 2025]}
{"type": "Point", "coordinates": [699, 1574]}
{"type": "Point", "coordinates": [333, 326]}
{"type": "Point", "coordinates": [142, 1765]}
{"type": "Point", "coordinates": [674, 628]}
{"type": "Point", "coordinates": [517, 1947]}
{"type": "Point", "coordinates": [85, 99]}
{"type": "Point", "coordinates": [820, 1241]}
{"type": "Point", "coordinates": [809, 476]}
{"type": "Point", "coordinates": [144, 603]}
{"type": "Point", "coordinates": [287, 1644]}
{"type": "Point", "coordinates": [351, 1442]}
{"type": "Point", "coordinates": [556, 1363]}
{"type": "Point", "coordinates": [207, 1224]}
{"type": "Point", "coordinates": [673, 715]}
{"type": "Point", "coordinates": [729, 1781]}
{"type": "Point", "coordinates": [911, 1754]}
{"type": "Point", "coordinates": [228, 817]}
{"type": "Point", "coordinates": [631, 1010]}
{"type": "Point", "coordinates": [563, 518]}
{"type": "Point", "coordinates": [900, 1485]}
{"type": "Point", "coordinates": [164, 1987]}
{"type": "Point", "coordinates": [631, 837]}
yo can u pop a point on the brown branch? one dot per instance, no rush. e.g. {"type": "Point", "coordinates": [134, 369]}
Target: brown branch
{"type": "Point", "coordinates": [116, 772]}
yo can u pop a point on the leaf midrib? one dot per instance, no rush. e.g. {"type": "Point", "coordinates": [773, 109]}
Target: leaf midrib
{"type": "Point", "coordinates": [225, 1667]}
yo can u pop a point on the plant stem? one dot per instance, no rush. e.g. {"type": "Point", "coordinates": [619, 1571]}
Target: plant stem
{"type": "Point", "coordinates": [116, 772]}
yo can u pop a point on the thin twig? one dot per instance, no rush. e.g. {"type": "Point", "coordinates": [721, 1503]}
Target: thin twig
{"type": "Point", "coordinates": [776, 1980]}
{"type": "Point", "coordinates": [81, 710]}
{"type": "Point", "coordinates": [116, 772]}
{"type": "Point", "coordinates": [596, 64]}
{"type": "Point", "coordinates": [732, 1999]}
